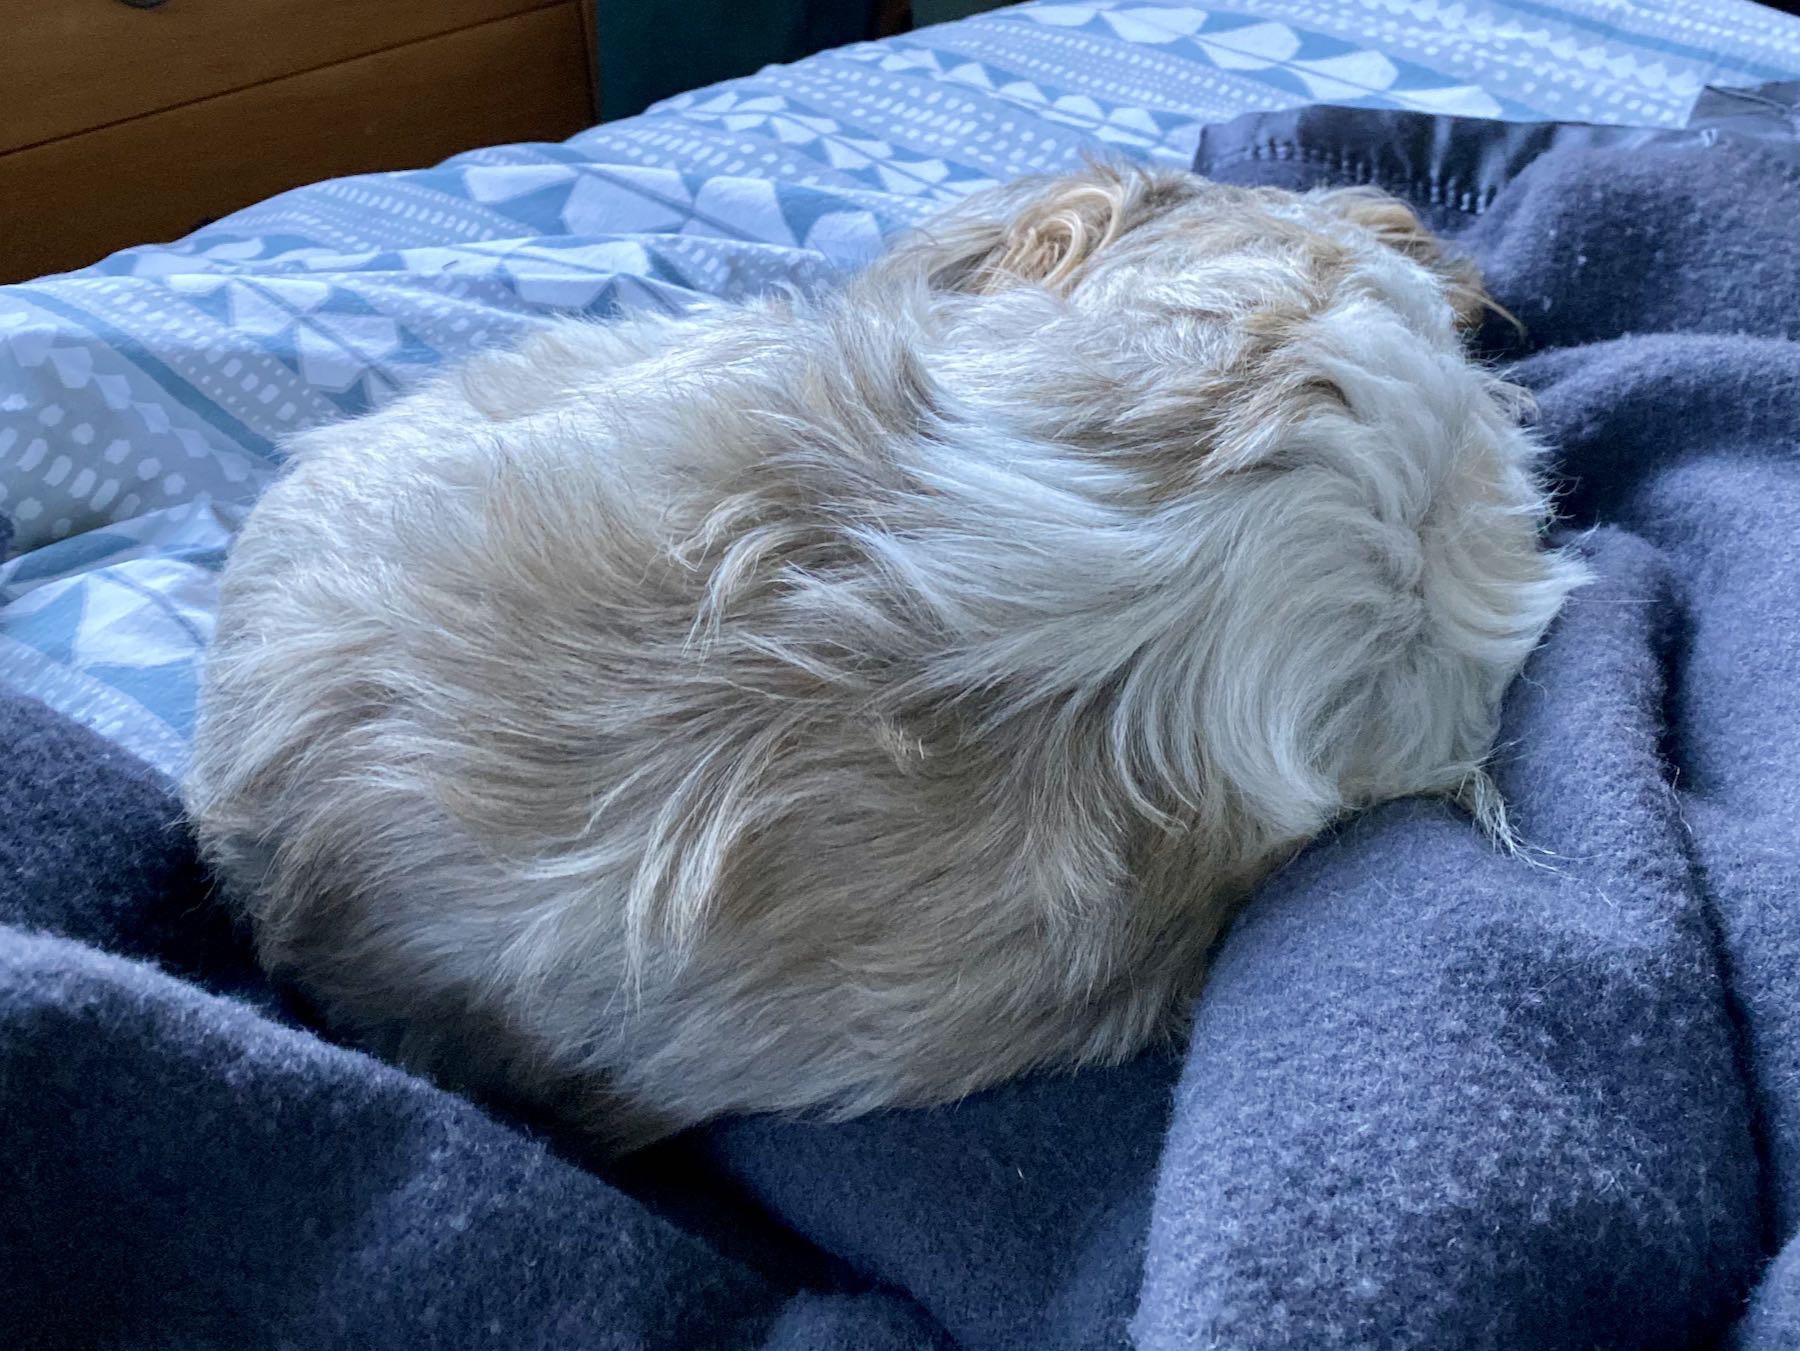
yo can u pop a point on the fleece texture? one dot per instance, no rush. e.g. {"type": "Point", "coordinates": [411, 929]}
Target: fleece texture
{"type": "Point", "coordinates": [188, 1168]}
{"type": "Point", "coordinates": [1435, 1096]}
{"type": "Point", "coordinates": [1441, 1097]}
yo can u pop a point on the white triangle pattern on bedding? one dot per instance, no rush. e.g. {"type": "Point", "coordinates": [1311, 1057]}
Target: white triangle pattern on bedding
{"type": "Point", "coordinates": [143, 401]}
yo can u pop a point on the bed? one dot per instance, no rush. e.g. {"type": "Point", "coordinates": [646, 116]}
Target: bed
{"type": "Point", "coordinates": [144, 399]}
{"type": "Point", "coordinates": [1514, 1104]}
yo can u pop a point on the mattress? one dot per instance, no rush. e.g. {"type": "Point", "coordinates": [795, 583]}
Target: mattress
{"type": "Point", "coordinates": [145, 400]}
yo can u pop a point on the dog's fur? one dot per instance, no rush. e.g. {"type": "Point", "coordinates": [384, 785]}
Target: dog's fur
{"type": "Point", "coordinates": [828, 703]}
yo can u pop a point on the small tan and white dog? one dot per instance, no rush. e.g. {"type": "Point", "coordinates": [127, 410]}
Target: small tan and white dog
{"type": "Point", "coordinates": [852, 701]}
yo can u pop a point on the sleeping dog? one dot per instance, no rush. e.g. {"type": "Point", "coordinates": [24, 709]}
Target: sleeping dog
{"type": "Point", "coordinates": [828, 703]}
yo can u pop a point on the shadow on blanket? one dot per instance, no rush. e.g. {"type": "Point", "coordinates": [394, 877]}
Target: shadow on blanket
{"type": "Point", "coordinates": [1436, 1097]}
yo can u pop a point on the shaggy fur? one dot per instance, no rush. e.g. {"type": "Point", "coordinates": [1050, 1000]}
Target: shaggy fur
{"type": "Point", "coordinates": [829, 703]}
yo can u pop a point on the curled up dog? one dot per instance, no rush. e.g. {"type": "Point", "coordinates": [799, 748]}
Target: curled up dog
{"type": "Point", "coordinates": [850, 701]}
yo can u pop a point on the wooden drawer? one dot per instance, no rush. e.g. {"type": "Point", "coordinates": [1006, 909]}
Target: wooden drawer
{"type": "Point", "coordinates": [72, 65]}
{"type": "Point", "coordinates": [66, 203]}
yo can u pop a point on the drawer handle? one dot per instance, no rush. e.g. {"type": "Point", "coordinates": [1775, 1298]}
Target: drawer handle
{"type": "Point", "coordinates": [142, 4]}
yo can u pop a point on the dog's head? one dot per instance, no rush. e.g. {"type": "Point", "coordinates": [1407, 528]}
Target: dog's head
{"type": "Point", "coordinates": [1313, 559]}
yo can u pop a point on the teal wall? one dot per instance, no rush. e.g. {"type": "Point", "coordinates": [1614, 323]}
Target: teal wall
{"type": "Point", "coordinates": [650, 49]}
{"type": "Point", "coordinates": [942, 11]}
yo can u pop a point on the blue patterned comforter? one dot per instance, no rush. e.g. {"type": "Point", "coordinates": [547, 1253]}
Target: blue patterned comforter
{"type": "Point", "coordinates": [144, 400]}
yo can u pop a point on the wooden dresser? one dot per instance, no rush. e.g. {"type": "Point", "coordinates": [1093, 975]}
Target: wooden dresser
{"type": "Point", "coordinates": [125, 123]}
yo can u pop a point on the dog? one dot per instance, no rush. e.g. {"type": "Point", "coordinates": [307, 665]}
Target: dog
{"type": "Point", "coordinates": [846, 701]}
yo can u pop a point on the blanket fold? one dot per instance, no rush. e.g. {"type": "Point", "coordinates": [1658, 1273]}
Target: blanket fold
{"type": "Point", "coordinates": [1439, 1097]}
{"type": "Point", "coordinates": [1571, 1121]}
{"type": "Point", "coordinates": [186, 1168]}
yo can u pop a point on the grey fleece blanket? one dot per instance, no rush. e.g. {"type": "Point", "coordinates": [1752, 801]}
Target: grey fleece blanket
{"type": "Point", "coordinates": [1435, 1097]}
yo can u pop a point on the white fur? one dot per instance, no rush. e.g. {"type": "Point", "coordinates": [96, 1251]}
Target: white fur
{"type": "Point", "coordinates": [839, 702]}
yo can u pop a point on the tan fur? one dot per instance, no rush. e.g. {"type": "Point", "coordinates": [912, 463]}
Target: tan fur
{"type": "Point", "coordinates": [1393, 223]}
{"type": "Point", "coordinates": [829, 704]}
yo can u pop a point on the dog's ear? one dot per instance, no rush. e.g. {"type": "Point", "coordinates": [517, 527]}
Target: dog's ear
{"type": "Point", "coordinates": [1050, 240]}
{"type": "Point", "coordinates": [1038, 232]}
{"type": "Point", "coordinates": [1393, 223]}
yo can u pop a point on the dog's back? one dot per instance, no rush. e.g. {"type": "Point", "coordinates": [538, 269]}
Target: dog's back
{"type": "Point", "coordinates": [839, 703]}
